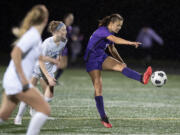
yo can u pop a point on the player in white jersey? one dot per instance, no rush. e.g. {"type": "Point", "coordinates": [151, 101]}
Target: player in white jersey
{"type": "Point", "coordinates": [52, 47]}
{"type": "Point", "coordinates": [24, 55]}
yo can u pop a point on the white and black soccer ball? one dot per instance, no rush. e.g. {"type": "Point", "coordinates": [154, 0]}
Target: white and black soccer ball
{"type": "Point", "coordinates": [159, 78]}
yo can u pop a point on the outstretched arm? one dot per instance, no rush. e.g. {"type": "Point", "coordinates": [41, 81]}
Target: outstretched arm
{"type": "Point", "coordinates": [155, 36]}
{"type": "Point", "coordinates": [118, 40]}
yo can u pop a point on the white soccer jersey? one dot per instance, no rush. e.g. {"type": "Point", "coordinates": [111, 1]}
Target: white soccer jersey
{"type": "Point", "coordinates": [29, 44]}
{"type": "Point", "coordinates": [50, 49]}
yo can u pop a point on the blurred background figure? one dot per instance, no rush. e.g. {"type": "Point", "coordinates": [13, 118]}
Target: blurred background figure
{"type": "Point", "coordinates": [68, 21]}
{"type": "Point", "coordinates": [146, 36]}
{"type": "Point", "coordinates": [75, 45]}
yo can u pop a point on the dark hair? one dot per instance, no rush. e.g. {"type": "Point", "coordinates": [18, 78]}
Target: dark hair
{"type": "Point", "coordinates": [112, 18]}
{"type": "Point", "coordinates": [67, 15]}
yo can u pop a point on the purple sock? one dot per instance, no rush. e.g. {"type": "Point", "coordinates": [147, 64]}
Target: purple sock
{"type": "Point", "coordinates": [100, 105]}
{"type": "Point", "coordinates": [132, 74]}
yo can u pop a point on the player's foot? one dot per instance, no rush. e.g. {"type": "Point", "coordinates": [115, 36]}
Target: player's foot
{"type": "Point", "coordinates": [147, 75]}
{"type": "Point", "coordinates": [18, 120]}
{"type": "Point", "coordinates": [105, 122]}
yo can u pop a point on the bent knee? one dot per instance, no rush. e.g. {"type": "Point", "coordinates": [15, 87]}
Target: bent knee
{"type": "Point", "coordinates": [124, 66]}
{"type": "Point", "coordinates": [121, 67]}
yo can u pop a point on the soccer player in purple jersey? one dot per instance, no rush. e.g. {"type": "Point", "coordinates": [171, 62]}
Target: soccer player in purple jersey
{"type": "Point", "coordinates": [97, 60]}
{"type": "Point", "coordinates": [68, 21]}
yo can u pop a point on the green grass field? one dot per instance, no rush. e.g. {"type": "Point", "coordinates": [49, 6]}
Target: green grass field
{"type": "Point", "coordinates": [132, 107]}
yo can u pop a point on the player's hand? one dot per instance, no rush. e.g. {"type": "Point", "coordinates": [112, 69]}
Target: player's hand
{"type": "Point", "coordinates": [136, 44]}
{"type": "Point", "coordinates": [51, 81]}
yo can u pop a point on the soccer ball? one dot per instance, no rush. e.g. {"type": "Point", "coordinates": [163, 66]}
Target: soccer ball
{"type": "Point", "coordinates": [159, 78]}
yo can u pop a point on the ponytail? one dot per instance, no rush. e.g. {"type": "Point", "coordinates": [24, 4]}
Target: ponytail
{"type": "Point", "coordinates": [34, 17]}
{"type": "Point", "coordinates": [105, 21]}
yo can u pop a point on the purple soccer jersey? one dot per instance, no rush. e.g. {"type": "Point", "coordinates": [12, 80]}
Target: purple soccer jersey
{"type": "Point", "coordinates": [69, 30]}
{"type": "Point", "coordinates": [65, 51]}
{"type": "Point", "coordinates": [98, 42]}
{"type": "Point", "coordinates": [95, 51]}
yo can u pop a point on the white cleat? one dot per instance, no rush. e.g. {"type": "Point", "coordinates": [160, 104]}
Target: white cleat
{"type": "Point", "coordinates": [18, 120]}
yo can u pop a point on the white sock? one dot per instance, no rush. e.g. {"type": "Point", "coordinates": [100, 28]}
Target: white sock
{"type": "Point", "coordinates": [22, 109]}
{"type": "Point", "coordinates": [36, 123]}
{"type": "Point", "coordinates": [1, 121]}
{"type": "Point", "coordinates": [47, 99]}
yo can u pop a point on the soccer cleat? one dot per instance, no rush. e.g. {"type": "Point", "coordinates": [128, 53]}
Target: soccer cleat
{"type": "Point", "coordinates": [18, 120]}
{"type": "Point", "coordinates": [147, 75]}
{"type": "Point", "coordinates": [105, 122]}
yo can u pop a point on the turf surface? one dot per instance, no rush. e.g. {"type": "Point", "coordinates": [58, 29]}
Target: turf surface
{"type": "Point", "coordinates": [132, 107]}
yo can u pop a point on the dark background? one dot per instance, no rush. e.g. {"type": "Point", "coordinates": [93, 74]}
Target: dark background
{"type": "Point", "coordinates": [161, 15]}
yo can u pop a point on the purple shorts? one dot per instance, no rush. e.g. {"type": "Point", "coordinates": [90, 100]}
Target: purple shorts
{"type": "Point", "coordinates": [65, 52]}
{"type": "Point", "coordinates": [95, 62]}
